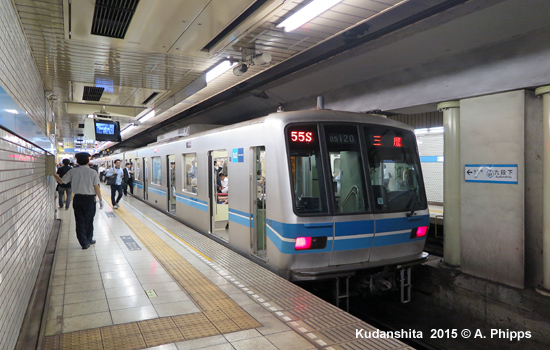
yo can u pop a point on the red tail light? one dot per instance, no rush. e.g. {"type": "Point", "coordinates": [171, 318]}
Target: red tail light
{"type": "Point", "coordinates": [302, 243]}
{"type": "Point", "coordinates": [419, 232]}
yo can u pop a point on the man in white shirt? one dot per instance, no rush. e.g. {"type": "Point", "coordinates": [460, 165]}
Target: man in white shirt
{"type": "Point", "coordinates": [101, 171]}
{"type": "Point", "coordinates": [225, 183]}
{"type": "Point", "coordinates": [117, 187]}
{"type": "Point", "coordinates": [85, 186]}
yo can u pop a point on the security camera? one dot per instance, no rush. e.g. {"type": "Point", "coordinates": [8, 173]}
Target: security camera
{"type": "Point", "coordinates": [240, 69]}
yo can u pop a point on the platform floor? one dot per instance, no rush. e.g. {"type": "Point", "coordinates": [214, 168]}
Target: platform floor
{"type": "Point", "coordinates": [152, 283]}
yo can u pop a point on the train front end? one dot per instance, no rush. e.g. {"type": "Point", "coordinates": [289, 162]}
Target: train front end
{"type": "Point", "coordinates": [358, 198]}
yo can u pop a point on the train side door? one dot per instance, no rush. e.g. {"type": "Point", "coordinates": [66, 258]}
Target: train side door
{"type": "Point", "coordinates": [258, 200]}
{"type": "Point", "coordinates": [219, 194]}
{"type": "Point", "coordinates": [171, 183]}
{"type": "Point", "coordinates": [145, 179]}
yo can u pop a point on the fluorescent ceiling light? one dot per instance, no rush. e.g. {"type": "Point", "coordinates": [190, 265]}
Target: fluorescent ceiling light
{"type": "Point", "coordinates": [421, 131]}
{"type": "Point", "coordinates": [437, 130]}
{"type": "Point", "coordinates": [60, 143]}
{"type": "Point", "coordinates": [307, 13]}
{"type": "Point", "coordinates": [219, 70]}
{"type": "Point", "coordinates": [91, 116]}
{"type": "Point", "coordinates": [128, 128]}
{"type": "Point", "coordinates": [12, 111]}
{"type": "Point", "coordinates": [147, 116]}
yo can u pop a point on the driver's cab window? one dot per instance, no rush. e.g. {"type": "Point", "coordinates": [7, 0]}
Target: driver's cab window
{"type": "Point", "coordinates": [394, 170]}
{"type": "Point", "coordinates": [306, 169]}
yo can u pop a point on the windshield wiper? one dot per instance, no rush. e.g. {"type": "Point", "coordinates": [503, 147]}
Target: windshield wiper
{"type": "Point", "coordinates": [414, 200]}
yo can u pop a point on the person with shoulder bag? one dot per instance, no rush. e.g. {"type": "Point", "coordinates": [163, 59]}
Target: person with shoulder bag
{"type": "Point", "coordinates": [114, 179]}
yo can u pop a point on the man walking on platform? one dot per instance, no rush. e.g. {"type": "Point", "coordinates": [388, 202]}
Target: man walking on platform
{"type": "Point", "coordinates": [64, 189]}
{"type": "Point", "coordinates": [117, 187]}
{"type": "Point", "coordinates": [85, 186]}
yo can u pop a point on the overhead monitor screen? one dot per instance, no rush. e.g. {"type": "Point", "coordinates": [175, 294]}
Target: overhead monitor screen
{"type": "Point", "coordinates": [107, 131]}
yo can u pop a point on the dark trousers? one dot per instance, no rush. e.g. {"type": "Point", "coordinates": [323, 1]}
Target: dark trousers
{"type": "Point", "coordinates": [128, 185]}
{"type": "Point", "coordinates": [84, 212]}
{"type": "Point", "coordinates": [61, 191]}
{"type": "Point", "coordinates": [114, 189]}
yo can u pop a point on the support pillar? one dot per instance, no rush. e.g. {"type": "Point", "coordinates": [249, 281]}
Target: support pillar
{"type": "Point", "coordinates": [452, 178]}
{"type": "Point", "coordinates": [544, 91]}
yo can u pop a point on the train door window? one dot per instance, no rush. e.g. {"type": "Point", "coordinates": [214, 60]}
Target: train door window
{"type": "Point", "coordinates": [259, 201]}
{"type": "Point", "coordinates": [145, 179]}
{"type": "Point", "coordinates": [156, 176]}
{"type": "Point", "coordinates": [190, 173]}
{"type": "Point", "coordinates": [394, 169]}
{"type": "Point", "coordinates": [136, 167]}
{"type": "Point", "coordinates": [347, 168]}
{"type": "Point", "coordinates": [171, 183]}
{"type": "Point", "coordinates": [220, 196]}
{"type": "Point", "coordinates": [306, 169]}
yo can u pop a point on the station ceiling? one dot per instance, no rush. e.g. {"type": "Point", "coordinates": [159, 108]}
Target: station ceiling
{"type": "Point", "coordinates": [126, 58]}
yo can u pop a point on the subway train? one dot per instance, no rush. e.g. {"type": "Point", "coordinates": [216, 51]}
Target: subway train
{"type": "Point", "coordinates": [308, 194]}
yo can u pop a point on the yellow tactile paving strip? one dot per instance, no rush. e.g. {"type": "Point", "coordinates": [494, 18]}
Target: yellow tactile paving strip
{"type": "Point", "coordinates": [220, 314]}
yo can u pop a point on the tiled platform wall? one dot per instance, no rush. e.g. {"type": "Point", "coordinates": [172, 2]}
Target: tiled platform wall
{"type": "Point", "coordinates": [18, 72]}
{"type": "Point", "coordinates": [26, 195]}
{"type": "Point", "coordinates": [27, 214]}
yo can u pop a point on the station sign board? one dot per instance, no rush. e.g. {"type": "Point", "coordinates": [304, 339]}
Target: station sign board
{"type": "Point", "coordinates": [491, 173]}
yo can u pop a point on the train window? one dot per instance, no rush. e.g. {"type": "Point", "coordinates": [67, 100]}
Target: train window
{"type": "Point", "coordinates": [306, 169]}
{"type": "Point", "coordinates": [190, 172]}
{"type": "Point", "coordinates": [394, 169]}
{"type": "Point", "coordinates": [137, 174]}
{"type": "Point", "coordinates": [347, 168]}
{"type": "Point", "coordinates": [157, 174]}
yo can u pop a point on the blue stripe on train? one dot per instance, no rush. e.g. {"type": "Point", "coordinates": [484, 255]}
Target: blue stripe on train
{"type": "Point", "coordinates": [349, 229]}
{"type": "Point", "coordinates": [192, 202]}
{"type": "Point", "coordinates": [241, 218]}
{"type": "Point", "coordinates": [157, 190]}
{"type": "Point", "coordinates": [343, 229]}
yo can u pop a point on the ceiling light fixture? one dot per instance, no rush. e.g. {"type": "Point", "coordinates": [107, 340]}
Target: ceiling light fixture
{"type": "Point", "coordinates": [221, 68]}
{"type": "Point", "coordinates": [12, 111]}
{"type": "Point", "coordinates": [128, 128]}
{"type": "Point", "coordinates": [146, 117]}
{"type": "Point", "coordinates": [307, 13]}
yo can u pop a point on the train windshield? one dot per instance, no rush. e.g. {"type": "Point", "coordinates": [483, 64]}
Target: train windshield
{"type": "Point", "coordinates": [307, 171]}
{"type": "Point", "coordinates": [344, 150]}
{"type": "Point", "coordinates": [394, 169]}
{"type": "Point", "coordinates": [328, 164]}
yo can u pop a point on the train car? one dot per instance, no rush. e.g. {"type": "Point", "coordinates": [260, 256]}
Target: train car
{"type": "Point", "coordinates": [308, 194]}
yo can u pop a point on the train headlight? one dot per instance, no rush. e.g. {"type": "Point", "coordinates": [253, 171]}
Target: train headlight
{"type": "Point", "coordinates": [310, 243]}
{"type": "Point", "coordinates": [419, 232]}
{"type": "Point", "coordinates": [302, 243]}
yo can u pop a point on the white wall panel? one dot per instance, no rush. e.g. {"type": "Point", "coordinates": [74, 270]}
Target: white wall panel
{"type": "Point", "coordinates": [492, 240]}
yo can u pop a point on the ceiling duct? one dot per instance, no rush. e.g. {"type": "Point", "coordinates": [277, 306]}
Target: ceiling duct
{"type": "Point", "coordinates": [92, 93]}
{"type": "Point", "coordinates": [150, 98]}
{"type": "Point", "coordinates": [112, 17]}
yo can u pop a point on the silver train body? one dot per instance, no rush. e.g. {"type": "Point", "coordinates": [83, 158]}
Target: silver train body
{"type": "Point", "coordinates": [311, 195]}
